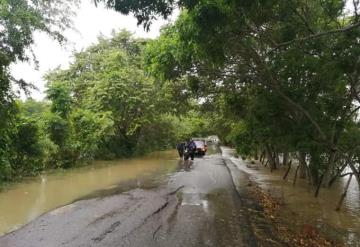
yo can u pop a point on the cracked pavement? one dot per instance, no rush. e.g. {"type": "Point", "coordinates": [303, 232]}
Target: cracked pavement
{"type": "Point", "coordinates": [200, 205]}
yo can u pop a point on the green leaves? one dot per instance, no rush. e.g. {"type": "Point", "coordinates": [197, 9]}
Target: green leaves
{"type": "Point", "coordinates": [19, 19]}
{"type": "Point", "coordinates": [90, 130]}
{"type": "Point", "coordinates": [106, 105]}
{"type": "Point", "coordinates": [271, 72]}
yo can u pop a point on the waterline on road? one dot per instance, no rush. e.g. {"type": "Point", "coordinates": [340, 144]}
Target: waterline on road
{"type": "Point", "coordinates": [23, 202]}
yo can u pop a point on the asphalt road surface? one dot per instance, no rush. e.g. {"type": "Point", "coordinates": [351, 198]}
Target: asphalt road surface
{"type": "Point", "coordinates": [205, 203]}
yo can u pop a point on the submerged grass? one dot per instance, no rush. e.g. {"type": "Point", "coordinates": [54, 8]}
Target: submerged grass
{"type": "Point", "coordinates": [282, 218]}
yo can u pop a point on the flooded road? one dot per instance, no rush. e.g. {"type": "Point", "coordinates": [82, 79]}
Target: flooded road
{"type": "Point", "coordinates": [162, 201]}
{"type": "Point", "coordinates": [200, 204]}
{"type": "Point", "coordinates": [23, 202]}
{"type": "Point", "coordinates": [319, 212]}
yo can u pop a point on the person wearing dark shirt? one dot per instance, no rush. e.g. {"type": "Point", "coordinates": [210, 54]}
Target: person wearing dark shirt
{"type": "Point", "coordinates": [181, 148]}
{"type": "Point", "coordinates": [192, 148]}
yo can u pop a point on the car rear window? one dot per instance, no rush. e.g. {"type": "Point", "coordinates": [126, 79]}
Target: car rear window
{"type": "Point", "coordinates": [199, 144]}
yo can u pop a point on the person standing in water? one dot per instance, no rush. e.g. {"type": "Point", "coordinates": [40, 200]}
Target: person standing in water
{"type": "Point", "coordinates": [181, 148]}
{"type": "Point", "coordinates": [192, 148]}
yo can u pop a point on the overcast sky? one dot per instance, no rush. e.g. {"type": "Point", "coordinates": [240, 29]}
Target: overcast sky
{"type": "Point", "coordinates": [89, 23]}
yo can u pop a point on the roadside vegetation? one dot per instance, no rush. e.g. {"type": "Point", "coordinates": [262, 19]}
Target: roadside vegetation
{"type": "Point", "coordinates": [105, 106]}
{"type": "Point", "coordinates": [19, 149]}
{"type": "Point", "coordinates": [277, 79]}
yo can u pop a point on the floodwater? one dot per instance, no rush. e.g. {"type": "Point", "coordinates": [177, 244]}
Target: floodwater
{"type": "Point", "coordinates": [319, 212]}
{"type": "Point", "coordinates": [23, 202]}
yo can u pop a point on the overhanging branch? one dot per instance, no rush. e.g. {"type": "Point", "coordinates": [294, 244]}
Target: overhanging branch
{"type": "Point", "coordinates": [315, 36]}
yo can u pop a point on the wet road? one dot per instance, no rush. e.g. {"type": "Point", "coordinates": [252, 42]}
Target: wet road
{"type": "Point", "coordinates": [203, 204]}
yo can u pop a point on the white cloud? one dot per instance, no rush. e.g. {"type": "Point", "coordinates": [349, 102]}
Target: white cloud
{"type": "Point", "coordinates": [89, 23]}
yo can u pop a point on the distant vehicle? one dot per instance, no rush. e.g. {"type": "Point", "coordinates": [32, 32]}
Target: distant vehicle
{"type": "Point", "coordinates": [201, 147]}
{"type": "Point", "coordinates": [213, 139]}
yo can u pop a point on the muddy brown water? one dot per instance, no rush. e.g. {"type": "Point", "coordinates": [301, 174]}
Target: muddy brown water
{"type": "Point", "coordinates": [22, 202]}
{"type": "Point", "coordinates": [320, 212]}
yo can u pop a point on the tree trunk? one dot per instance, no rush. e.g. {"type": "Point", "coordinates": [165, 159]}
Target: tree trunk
{"type": "Point", "coordinates": [333, 179]}
{"type": "Point", "coordinates": [295, 176]}
{"type": "Point", "coordinates": [309, 177]}
{"type": "Point", "coordinates": [256, 155]}
{"type": "Point", "coordinates": [344, 194]}
{"type": "Point", "coordinates": [329, 169]}
{"type": "Point", "coordinates": [262, 157]}
{"type": "Point", "coordinates": [356, 173]}
{"type": "Point", "coordinates": [314, 167]}
{"type": "Point", "coordinates": [285, 158]}
{"type": "Point", "coordinates": [266, 163]}
{"type": "Point", "coordinates": [277, 159]}
{"type": "Point", "coordinates": [302, 164]}
{"type": "Point", "coordinates": [319, 186]}
{"type": "Point", "coordinates": [270, 157]}
{"type": "Point", "coordinates": [287, 171]}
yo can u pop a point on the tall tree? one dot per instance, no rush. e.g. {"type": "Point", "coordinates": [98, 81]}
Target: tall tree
{"type": "Point", "coordinates": [19, 20]}
{"type": "Point", "coordinates": [299, 53]}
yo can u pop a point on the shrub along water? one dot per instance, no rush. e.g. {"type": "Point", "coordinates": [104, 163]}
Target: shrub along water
{"type": "Point", "coordinates": [104, 106]}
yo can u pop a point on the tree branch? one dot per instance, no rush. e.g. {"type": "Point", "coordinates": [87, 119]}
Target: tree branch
{"type": "Point", "coordinates": [344, 175]}
{"type": "Point", "coordinates": [315, 36]}
{"type": "Point", "coordinates": [275, 86]}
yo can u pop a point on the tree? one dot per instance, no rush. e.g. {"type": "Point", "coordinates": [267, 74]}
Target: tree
{"type": "Point", "coordinates": [297, 55]}
{"type": "Point", "coordinates": [107, 90]}
{"type": "Point", "coordinates": [19, 20]}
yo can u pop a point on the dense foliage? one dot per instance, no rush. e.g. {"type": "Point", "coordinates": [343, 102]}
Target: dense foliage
{"type": "Point", "coordinates": [104, 106]}
{"type": "Point", "coordinates": [19, 20]}
{"type": "Point", "coordinates": [282, 76]}
{"type": "Point", "coordinates": [275, 78]}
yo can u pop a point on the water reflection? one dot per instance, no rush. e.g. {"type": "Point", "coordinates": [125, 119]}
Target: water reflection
{"type": "Point", "coordinates": [185, 165]}
{"type": "Point", "coordinates": [195, 199]}
{"type": "Point", "coordinates": [320, 212]}
{"type": "Point", "coordinates": [25, 201]}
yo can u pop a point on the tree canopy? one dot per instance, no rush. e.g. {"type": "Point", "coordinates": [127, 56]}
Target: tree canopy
{"type": "Point", "coordinates": [104, 106]}
{"type": "Point", "coordinates": [286, 72]}
{"type": "Point", "coordinates": [270, 76]}
{"type": "Point", "coordinates": [19, 20]}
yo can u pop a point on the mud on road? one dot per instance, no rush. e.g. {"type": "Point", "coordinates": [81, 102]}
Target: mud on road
{"type": "Point", "coordinates": [205, 203]}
